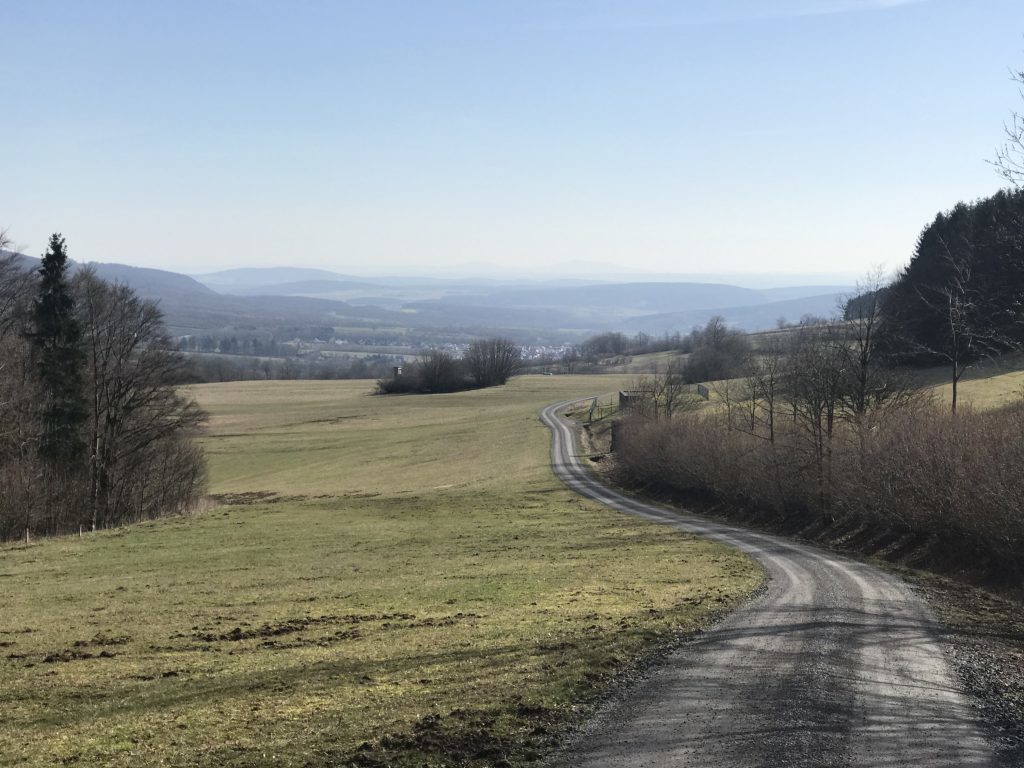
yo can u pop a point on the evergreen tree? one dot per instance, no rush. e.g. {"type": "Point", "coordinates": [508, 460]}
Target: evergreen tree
{"type": "Point", "coordinates": [961, 297]}
{"type": "Point", "coordinates": [59, 356]}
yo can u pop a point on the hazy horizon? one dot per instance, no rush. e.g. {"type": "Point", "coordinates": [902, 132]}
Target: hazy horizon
{"type": "Point", "coordinates": [719, 138]}
{"type": "Point", "coordinates": [574, 271]}
{"type": "Point", "coordinates": [598, 273]}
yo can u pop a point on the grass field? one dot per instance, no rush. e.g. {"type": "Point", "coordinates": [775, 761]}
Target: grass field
{"type": "Point", "coordinates": [386, 581]}
{"type": "Point", "coordinates": [989, 384]}
{"type": "Point", "coordinates": [639, 365]}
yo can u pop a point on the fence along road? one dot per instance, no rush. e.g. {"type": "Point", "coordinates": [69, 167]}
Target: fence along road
{"type": "Point", "coordinates": [836, 664]}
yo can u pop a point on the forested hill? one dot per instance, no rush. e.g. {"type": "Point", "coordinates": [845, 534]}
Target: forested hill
{"type": "Point", "coordinates": [962, 294]}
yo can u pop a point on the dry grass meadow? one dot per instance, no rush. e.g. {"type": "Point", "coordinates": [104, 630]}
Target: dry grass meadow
{"type": "Point", "coordinates": [383, 581]}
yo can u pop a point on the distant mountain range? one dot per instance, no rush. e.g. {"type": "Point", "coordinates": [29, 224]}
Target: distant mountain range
{"type": "Point", "coordinates": [653, 307]}
{"type": "Point", "coordinates": [240, 299]}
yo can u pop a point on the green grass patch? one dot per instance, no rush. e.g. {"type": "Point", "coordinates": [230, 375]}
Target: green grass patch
{"type": "Point", "coordinates": [386, 581]}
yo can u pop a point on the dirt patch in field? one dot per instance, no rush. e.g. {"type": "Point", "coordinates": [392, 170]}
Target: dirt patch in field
{"type": "Point", "coordinates": [102, 640]}
{"type": "Point", "coordinates": [250, 498]}
{"type": "Point", "coordinates": [78, 652]}
{"type": "Point", "coordinates": [304, 642]}
{"type": "Point", "coordinates": [463, 737]}
{"type": "Point", "coordinates": [73, 654]}
{"type": "Point", "coordinates": [333, 419]}
{"type": "Point", "coordinates": [434, 621]}
{"type": "Point", "coordinates": [291, 626]}
{"type": "Point", "coordinates": [237, 499]}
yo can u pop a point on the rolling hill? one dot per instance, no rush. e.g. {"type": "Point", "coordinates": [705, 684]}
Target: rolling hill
{"type": "Point", "coordinates": [756, 317]}
{"type": "Point", "coordinates": [244, 300]}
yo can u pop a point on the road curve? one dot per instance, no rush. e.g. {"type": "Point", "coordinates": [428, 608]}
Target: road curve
{"type": "Point", "coordinates": [836, 664]}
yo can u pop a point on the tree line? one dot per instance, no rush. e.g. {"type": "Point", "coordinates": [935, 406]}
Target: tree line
{"type": "Point", "coordinates": [615, 343]}
{"type": "Point", "coordinates": [93, 431]}
{"type": "Point", "coordinates": [485, 363]}
{"type": "Point", "coordinates": [211, 368]}
{"type": "Point", "coordinates": [712, 350]}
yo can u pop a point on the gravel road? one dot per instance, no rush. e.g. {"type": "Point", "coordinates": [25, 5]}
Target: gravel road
{"type": "Point", "coordinates": [836, 664]}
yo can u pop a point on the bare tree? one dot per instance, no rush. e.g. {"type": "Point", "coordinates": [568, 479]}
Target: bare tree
{"type": "Point", "coordinates": [872, 379]}
{"type": "Point", "coordinates": [969, 334]}
{"type": "Point", "coordinates": [1009, 160]}
{"type": "Point", "coordinates": [571, 359]}
{"type": "Point", "coordinates": [765, 382]}
{"type": "Point", "coordinates": [140, 461]}
{"type": "Point", "coordinates": [674, 392]}
{"type": "Point", "coordinates": [439, 372]}
{"type": "Point", "coordinates": [491, 362]}
{"type": "Point", "coordinates": [663, 394]}
{"type": "Point", "coordinates": [862, 317]}
{"type": "Point", "coordinates": [816, 378]}
{"type": "Point", "coordinates": [20, 469]}
{"type": "Point", "coordinates": [16, 285]}
{"type": "Point", "coordinates": [730, 393]}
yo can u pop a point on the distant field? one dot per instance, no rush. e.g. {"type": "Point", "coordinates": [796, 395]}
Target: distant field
{"type": "Point", "coordinates": [988, 385]}
{"type": "Point", "coordinates": [389, 579]}
{"type": "Point", "coordinates": [652, 362]}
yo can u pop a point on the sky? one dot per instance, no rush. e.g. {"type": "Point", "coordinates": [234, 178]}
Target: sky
{"type": "Point", "coordinates": [443, 136]}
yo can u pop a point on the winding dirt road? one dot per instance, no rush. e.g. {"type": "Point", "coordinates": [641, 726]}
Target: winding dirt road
{"type": "Point", "coordinates": [836, 664]}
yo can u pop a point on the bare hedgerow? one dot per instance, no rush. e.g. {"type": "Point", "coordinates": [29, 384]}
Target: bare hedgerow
{"type": "Point", "coordinates": [952, 483]}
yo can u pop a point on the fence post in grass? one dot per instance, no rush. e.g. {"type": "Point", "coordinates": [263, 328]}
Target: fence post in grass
{"type": "Point", "coordinates": [26, 537]}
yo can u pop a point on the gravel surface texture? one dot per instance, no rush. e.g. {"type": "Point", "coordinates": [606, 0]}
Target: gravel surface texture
{"type": "Point", "coordinates": [984, 633]}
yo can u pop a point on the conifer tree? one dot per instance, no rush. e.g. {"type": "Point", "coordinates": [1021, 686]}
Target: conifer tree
{"type": "Point", "coordinates": [59, 358]}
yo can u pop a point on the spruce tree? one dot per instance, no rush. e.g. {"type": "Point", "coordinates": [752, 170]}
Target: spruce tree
{"type": "Point", "coordinates": [60, 359]}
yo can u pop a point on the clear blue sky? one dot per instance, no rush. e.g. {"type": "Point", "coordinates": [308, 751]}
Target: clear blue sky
{"type": "Point", "coordinates": [687, 136]}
